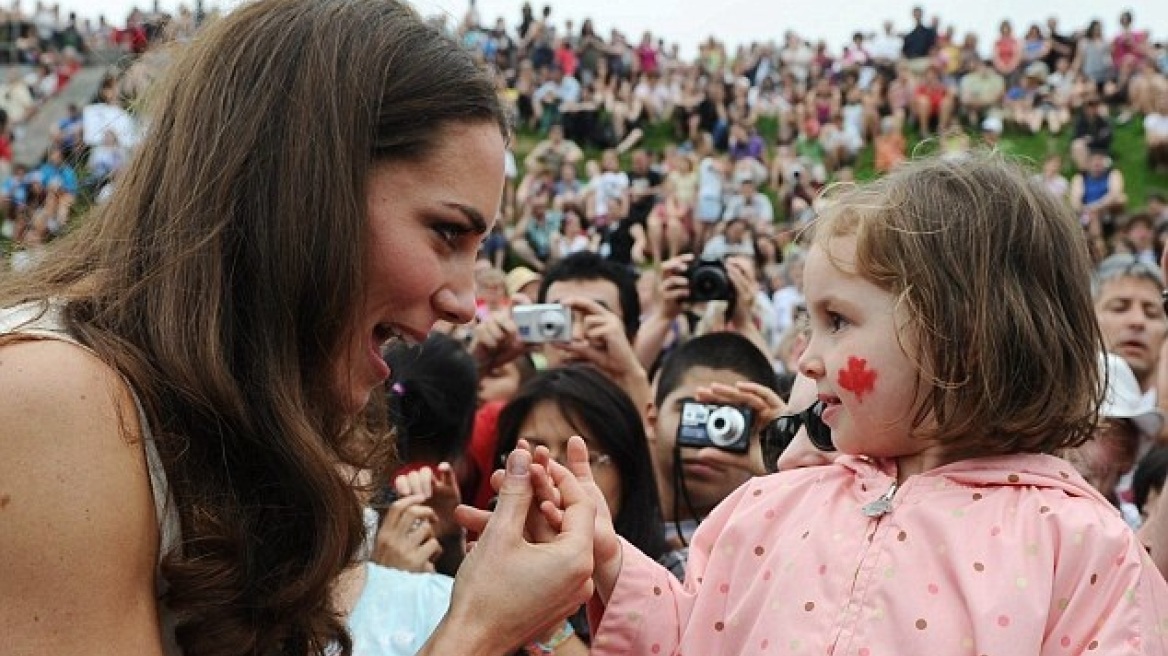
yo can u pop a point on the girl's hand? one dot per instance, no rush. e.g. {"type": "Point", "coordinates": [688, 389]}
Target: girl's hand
{"type": "Point", "coordinates": [405, 539]}
{"type": "Point", "coordinates": [606, 549]}
{"type": "Point", "coordinates": [439, 488]}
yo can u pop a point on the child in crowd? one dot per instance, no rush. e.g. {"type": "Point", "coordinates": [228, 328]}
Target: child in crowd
{"type": "Point", "coordinates": [952, 357]}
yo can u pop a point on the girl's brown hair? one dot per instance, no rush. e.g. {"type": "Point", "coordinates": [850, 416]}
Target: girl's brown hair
{"type": "Point", "coordinates": [222, 275]}
{"type": "Point", "coordinates": [993, 273]}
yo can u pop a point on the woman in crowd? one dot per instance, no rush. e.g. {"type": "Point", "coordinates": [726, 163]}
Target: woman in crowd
{"type": "Point", "coordinates": [187, 373]}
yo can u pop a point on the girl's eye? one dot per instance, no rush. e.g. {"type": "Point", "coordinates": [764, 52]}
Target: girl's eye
{"type": "Point", "coordinates": [836, 321]}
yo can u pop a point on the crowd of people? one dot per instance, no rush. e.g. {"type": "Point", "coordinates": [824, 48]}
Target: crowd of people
{"type": "Point", "coordinates": [581, 91]}
{"type": "Point", "coordinates": [91, 142]}
{"type": "Point", "coordinates": [305, 349]}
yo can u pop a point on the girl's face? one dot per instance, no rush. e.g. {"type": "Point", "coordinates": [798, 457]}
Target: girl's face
{"type": "Point", "coordinates": [870, 386]}
{"type": "Point", "coordinates": [499, 383]}
{"type": "Point", "coordinates": [426, 219]}
{"type": "Point", "coordinates": [546, 426]}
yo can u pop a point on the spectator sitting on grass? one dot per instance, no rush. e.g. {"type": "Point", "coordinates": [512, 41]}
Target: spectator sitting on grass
{"type": "Point", "coordinates": [981, 90]}
{"type": "Point", "coordinates": [1097, 194]}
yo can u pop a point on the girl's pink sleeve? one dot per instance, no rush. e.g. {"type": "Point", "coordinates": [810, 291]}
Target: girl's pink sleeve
{"type": "Point", "coordinates": [1116, 601]}
{"type": "Point", "coordinates": [650, 609]}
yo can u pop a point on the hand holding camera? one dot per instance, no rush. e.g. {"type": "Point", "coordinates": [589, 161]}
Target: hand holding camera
{"type": "Point", "coordinates": [674, 285]}
{"type": "Point", "coordinates": [742, 295]}
{"type": "Point", "coordinates": [763, 404]}
{"type": "Point", "coordinates": [495, 342]}
{"type": "Point", "coordinates": [598, 337]}
{"type": "Point", "coordinates": [542, 323]}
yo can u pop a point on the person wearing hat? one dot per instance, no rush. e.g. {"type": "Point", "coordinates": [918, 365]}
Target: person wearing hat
{"type": "Point", "coordinates": [1128, 426]}
{"type": "Point", "coordinates": [991, 133]}
{"type": "Point", "coordinates": [523, 283]}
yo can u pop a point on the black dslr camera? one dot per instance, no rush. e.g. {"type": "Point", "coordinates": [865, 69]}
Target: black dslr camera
{"type": "Point", "coordinates": [710, 281]}
{"type": "Point", "coordinates": [726, 427]}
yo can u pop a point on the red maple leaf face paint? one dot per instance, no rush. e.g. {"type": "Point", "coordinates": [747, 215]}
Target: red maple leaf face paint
{"type": "Point", "coordinates": [857, 378]}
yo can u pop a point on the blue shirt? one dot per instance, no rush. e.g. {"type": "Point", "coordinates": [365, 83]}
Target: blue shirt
{"type": "Point", "coordinates": [397, 611]}
{"type": "Point", "coordinates": [63, 175]}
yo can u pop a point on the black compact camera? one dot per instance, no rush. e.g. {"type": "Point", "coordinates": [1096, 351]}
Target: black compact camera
{"type": "Point", "coordinates": [709, 281]}
{"type": "Point", "coordinates": [726, 427]}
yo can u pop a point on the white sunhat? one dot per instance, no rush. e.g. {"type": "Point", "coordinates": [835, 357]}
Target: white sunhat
{"type": "Point", "coordinates": [1124, 399]}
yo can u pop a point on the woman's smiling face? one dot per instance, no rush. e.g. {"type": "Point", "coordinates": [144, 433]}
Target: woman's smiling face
{"type": "Point", "coordinates": [427, 218]}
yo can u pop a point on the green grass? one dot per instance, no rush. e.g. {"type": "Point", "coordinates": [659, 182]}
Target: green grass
{"type": "Point", "coordinates": [1127, 148]}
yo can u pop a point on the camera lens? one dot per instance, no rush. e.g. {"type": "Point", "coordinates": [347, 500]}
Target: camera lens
{"type": "Point", "coordinates": [552, 325]}
{"type": "Point", "coordinates": [710, 283]}
{"type": "Point", "coordinates": [725, 426]}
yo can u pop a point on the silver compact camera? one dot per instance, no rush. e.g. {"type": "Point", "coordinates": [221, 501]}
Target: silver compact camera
{"type": "Point", "coordinates": [543, 322]}
{"type": "Point", "coordinates": [726, 427]}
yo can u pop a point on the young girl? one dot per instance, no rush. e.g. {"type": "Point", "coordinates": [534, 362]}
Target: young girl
{"type": "Point", "coordinates": [954, 349]}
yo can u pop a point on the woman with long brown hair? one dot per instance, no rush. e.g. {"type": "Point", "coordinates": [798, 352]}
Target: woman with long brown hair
{"type": "Point", "coordinates": [185, 375]}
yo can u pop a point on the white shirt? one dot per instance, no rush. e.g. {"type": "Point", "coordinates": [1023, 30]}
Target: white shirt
{"type": "Point", "coordinates": [1156, 125]}
{"type": "Point", "coordinates": [886, 46]}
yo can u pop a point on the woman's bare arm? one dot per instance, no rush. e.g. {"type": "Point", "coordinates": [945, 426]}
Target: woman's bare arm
{"type": "Point", "coordinates": [78, 533]}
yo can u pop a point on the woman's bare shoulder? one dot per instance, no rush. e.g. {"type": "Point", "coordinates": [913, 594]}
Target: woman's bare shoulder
{"type": "Point", "coordinates": [78, 533]}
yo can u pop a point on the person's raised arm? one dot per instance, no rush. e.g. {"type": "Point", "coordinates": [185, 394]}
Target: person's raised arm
{"type": "Point", "coordinates": [78, 533]}
{"type": "Point", "coordinates": [655, 329]}
{"type": "Point", "coordinates": [743, 313]}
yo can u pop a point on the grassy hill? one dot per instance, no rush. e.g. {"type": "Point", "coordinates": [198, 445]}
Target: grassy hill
{"type": "Point", "coordinates": [1127, 148]}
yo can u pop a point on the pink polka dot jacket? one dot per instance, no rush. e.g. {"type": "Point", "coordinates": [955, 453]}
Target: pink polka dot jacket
{"type": "Point", "coordinates": [1004, 556]}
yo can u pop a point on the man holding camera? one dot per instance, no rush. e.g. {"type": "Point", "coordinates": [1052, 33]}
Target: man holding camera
{"type": "Point", "coordinates": [711, 398]}
{"type": "Point", "coordinates": [588, 311]}
{"type": "Point", "coordinates": [688, 290]}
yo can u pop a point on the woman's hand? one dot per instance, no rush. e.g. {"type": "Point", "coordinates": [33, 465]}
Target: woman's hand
{"type": "Point", "coordinates": [606, 549]}
{"type": "Point", "coordinates": [487, 616]}
{"type": "Point", "coordinates": [405, 539]}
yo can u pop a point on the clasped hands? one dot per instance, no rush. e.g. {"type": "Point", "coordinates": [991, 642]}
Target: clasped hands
{"type": "Point", "coordinates": [563, 512]}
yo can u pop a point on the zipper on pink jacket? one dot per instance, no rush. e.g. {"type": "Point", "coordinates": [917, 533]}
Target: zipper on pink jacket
{"type": "Point", "coordinates": [882, 506]}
